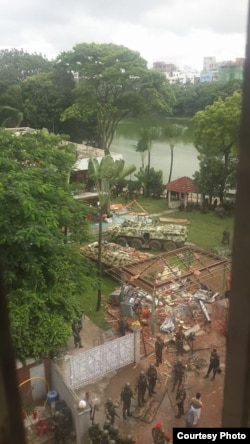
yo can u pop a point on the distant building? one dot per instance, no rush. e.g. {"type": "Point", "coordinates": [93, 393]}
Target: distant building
{"type": "Point", "coordinates": [175, 74]}
{"type": "Point", "coordinates": [221, 71]}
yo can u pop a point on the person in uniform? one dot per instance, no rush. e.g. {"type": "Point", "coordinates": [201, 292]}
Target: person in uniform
{"type": "Point", "coordinates": [152, 378]}
{"type": "Point", "coordinates": [179, 340]}
{"type": "Point", "coordinates": [159, 436]}
{"type": "Point", "coordinates": [226, 237]}
{"type": "Point", "coordinates": [178, 374]}
{"type": "Point", "coordinates": [141, 387]}
{"type": "Point", "coordinates": [159, 344]}
{"type": "Point", "coordinates": [180, 398]}
{"type": "Point", "coordinates": [94, 433]}
{"type": "Point", "coordinates": [76, 334]}
{"type": "Point", "coordinates": [110, 411]}
{"type": "Point", "coordinates": [126, 396]}
{"type": "Point", "coordinates": [214, 364]}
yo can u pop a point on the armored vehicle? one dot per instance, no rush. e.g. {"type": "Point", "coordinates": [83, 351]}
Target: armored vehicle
{"type": "Point", "coordinates": [142, 235]}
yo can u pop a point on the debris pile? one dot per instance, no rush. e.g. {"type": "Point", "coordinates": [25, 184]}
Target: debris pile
{"type": "Point", "coordinates": [114, 255]}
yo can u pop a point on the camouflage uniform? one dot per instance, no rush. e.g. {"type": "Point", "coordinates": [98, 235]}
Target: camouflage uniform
{"type": "Point", "coordinates": [110, 411]}
{"type": "Point", "coordinates": [159, 344]}
{"type": "Point", "coordinates": [180, 398]}
{"type": "Point", "coordinates": [126, 396]}
{"type": "Point", "coordinates": [94, 433]}
{"type": "Point", "coordinates": [180, 339]}
{"type": "Point", "coordinates": [141, 386]}
{"type": "Point", "coordinates": [152, 378]}
{"type": "Point", "coordinates": [178, 374]}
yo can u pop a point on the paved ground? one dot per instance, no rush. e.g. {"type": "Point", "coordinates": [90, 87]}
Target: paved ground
{"type": "Point", "coordinates": [164, 400]}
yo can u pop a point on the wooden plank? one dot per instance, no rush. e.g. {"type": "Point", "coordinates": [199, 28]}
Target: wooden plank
{"type": "Point", "coordinates": [171, 220]}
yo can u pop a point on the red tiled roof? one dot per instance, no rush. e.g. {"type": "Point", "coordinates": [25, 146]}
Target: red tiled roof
{"type": "Point", "coordinates": [182, 185]}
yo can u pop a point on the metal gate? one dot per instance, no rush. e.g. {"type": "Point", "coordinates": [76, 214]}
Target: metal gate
{"type": "Point", "coordinates": [98, 361]}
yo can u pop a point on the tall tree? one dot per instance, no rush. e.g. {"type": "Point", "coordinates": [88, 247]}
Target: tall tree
{"type": "Point", "coordinates": [114, 83]}
{"type": "Point", "coordinates": [173, 133]}
{"type": "Point", "coordinates": [11, 106]}
{"type": "Point", "coordinates": [105, 175]}
{"type": "Point", "coordinates": [45, 275]}
{"type": "Point", "coordinates": [216, 132]}
{"type": "Point", "coordinates": [16, 65]}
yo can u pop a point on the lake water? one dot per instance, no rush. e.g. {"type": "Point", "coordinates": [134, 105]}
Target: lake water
{"type": "Point", "coordinates": [185, 154]}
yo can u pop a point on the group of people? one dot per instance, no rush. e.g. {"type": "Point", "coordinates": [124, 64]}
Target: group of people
{"type": "Point", "coordinates": [108, 434]}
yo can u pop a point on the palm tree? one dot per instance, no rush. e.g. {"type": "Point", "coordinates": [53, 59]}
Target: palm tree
{"type": "Point", "coordinates": [105, 175]}
{"type": "Point", "coordinates": [11, 105]}
{"type": "Point", "coordinates": [173, 132]}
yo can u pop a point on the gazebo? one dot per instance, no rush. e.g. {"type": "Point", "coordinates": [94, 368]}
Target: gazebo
{"type": "Point", "coordinates": [178, 191]}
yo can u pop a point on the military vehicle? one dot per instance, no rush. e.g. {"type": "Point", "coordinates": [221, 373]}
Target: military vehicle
{"type": "Point", "coordinates": [143, 235]}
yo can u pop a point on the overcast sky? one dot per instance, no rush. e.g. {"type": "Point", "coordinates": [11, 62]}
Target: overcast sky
{"type": "Point", "coordinates": [177, 31]}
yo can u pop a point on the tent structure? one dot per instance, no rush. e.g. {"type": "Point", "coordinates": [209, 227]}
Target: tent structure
{"type": "Point", "coordinates": [178, 191]}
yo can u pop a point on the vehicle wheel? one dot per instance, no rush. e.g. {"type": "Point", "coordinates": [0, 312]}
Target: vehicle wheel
{"type": "Point", "coordinates": [180, 244]}
{"type": "Point", "coordinates": [121, 241]}
{"type": "Point", "coordinates": [136, 243]}
{"type": "Point", "coordinates": [155, 245]}
{"type": "Point", "coordinates": [169, 245]}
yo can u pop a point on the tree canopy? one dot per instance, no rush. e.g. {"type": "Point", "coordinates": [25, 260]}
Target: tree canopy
{"type": "Point", "coordinates": [114, 83]}
{"type": "Point", "coordinates": [45, 274]}
{"type": "Point", "coordinates": [216, 133]}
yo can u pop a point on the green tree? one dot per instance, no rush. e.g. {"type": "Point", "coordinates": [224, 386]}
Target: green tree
{"type": "Point", "coordinates": [151, 181]}
{"type": "Point", "coordinates": [191, 98]}
{"type": "Point", "coordinates": [105, 175]}
{"type": "Point", "coordinates": [11, 106]}
{"type": "Point", "coordinates": [114, 83]}
{"type": "Point", "coordinates": [16, 65]}
{"type": "Point", "coordinates": [45, 275]}
{"type": "Point", "coordinates": [216, 133]}
{"type": "Point", "coordinates": [173, 133]}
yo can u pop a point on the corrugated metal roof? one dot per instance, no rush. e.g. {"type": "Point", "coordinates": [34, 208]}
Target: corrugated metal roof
{"type": "Point", "coordinates": [182, 185]}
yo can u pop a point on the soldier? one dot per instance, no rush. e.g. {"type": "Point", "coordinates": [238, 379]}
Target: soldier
{"type": "Point", "coordinates": [179, 340]}
{"type": "Point", "coordinates": [226, 237]}
{"type": "Point", "coordinates": [110, 411]}
{"type": "Point", "coordinates": [76, 334]}
{"type": "Point", "coordinates": [159, 344]}
{"type": "Point", "coordinates": [141, 386]}
{"type": "Point", "coordinates": [178, 374]}
{"type": "Point", "coordinates": [94, 433]}
{"type": "Point", "coordinates": [152, 378]}
{"type": "Point", "coordinates": [129, 440]}
{"type": "Point", "coordinates": [107, 425]}
{"type": "Point", "coordinates": [114, 433]}
{"type": "Point", "coordinates": [214, 364]}
{"type": "Point", "coordinates": [180, 398]}
{"type": "Point", "coordinates": [158, 434]}
{"type": "Point", "coordinates": [126, 396]}
{"type": "Point", "coordinates": [105, 438]}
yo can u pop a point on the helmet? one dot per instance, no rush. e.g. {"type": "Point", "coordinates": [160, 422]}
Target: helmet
{"type": "Point", "coordinates": [105, 432]}
{"type": "Point", "coordinates": [127, 384]}
{"type": "Point", "coordinates": [152, 365]}
{"type": "Point", "coordinates": [109, 400]}
{"type": "Point", "coordinates": [158, 425]}
{"type": "Point", "coordinates": [142, 373]}
{"type": "Point", "coordinates": [107, 422]}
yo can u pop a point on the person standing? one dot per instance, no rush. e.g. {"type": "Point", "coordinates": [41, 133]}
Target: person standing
{"type": "Point", "coordinates": [152, 378]}
{"type": "Point", "coordinates": [159, 344]}
{"type": "Point", "coordinates": [178, 374]}
{"type": "Point", "coordinates": [214, 364]}
{"type": "Point", "coordinates": [110, 411]}
{"type": "Point", "coordinates": [180, 398]}
{"type": "Point", "coordinates": [76, 334]}
{"type": "Point", "coordinates": [226, 237]}
{"type": "Point", "coordinates": [179, 340]}
{"type": "Point", "coordinates": [141, 387]}
{"type": "Point", "coordinates": [197, 405]}
{"type": "Point", "coordinates": [126, 396]}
